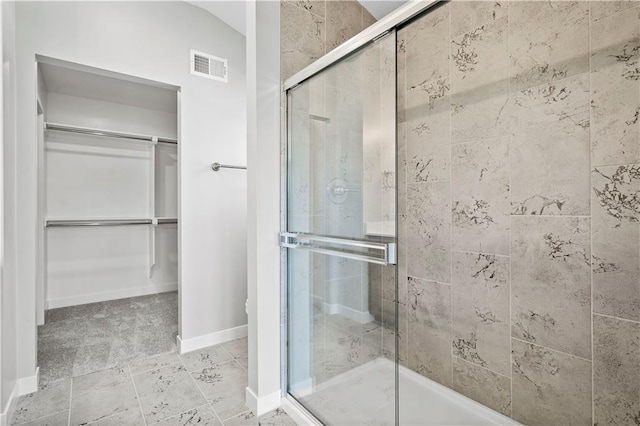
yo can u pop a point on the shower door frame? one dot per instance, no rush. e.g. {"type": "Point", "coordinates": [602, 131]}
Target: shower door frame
{"type": "Point", "coordinates": [394, 20]}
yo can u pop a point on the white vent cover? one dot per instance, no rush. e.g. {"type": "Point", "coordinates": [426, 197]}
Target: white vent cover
{"type": "Point", "coordinates": [209, 66]}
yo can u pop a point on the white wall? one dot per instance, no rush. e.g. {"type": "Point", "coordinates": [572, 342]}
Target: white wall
{"type": "Point", "coordinates": [151, 40]}
{"type": "Point", "coordinates": [8, 314]}
{"type": "Point", "coordinates": [86, 112]}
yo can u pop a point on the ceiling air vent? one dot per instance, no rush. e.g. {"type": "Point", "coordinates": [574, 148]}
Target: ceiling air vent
{"type": "Point", "coordinates": [208, 66]}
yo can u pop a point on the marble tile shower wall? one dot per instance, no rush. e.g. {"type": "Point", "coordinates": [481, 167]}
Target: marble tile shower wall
{"type": "Point", "coordinates": [519, 205]}
{"type": "Point", "coordinates": [311, 28]}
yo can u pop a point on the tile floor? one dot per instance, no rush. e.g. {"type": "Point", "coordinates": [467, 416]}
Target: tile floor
{"type": "Point", "coordinates": [78, 340]}
{"type": "Point", "coordinates": [109, 380]}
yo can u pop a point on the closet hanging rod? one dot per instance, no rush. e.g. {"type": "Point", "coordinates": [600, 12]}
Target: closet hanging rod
{"type": "Point", "coordinates": [167, 220]}
{"type": "Point", "coordinates": [105, 133]}
{"type": "Point", "coordinates": [106, 222]}
{"type": "Point", "coordinates": [165, 140]}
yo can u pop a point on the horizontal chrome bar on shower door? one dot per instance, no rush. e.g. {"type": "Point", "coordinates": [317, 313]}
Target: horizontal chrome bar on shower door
{"type": "Point", "coordinates": [310, 242]}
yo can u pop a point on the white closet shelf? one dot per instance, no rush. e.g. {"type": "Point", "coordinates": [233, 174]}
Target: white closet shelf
{"type": "Point", "coordinates": [107, 133]}
{"type": "Point", "coordinates": [54, 223]}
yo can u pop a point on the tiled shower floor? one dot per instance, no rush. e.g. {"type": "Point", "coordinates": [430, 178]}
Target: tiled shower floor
{"type": "Point", "coordinates": [205, 387]}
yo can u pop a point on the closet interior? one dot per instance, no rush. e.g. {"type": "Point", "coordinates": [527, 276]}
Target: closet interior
{"type": "Point", "coordinates": [108, 210]}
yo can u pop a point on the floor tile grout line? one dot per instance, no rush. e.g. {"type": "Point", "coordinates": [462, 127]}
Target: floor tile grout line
{"type": "Point", "coordinates": [37, 418]}
{"type": "Point", "coordinates": [53, 382]}
{"type": "Point", "coordinates": [46, 415]}
{"type": "Point", "coordinates": [106, 417]}
{"type": "Point", "coordinates": [154, 368]}
{"type": "Point", "coordinates": [199, 388]}
{"type": "Point", "coordinates": [215, 413]}
{"type": "Point", "coordinates": [135, 389]}
{"type": "Point", "coordinates": [241, 366]}
{"type": "Point", "coordinates": [225, 349]}
{"type": "Point", "coordinates": [233, 358]}
{"type": "Point", "coordinates": [551, 349]}
{"type": "Point", "coordinates": [70, 400]}
{"type": "Point", "coordinates": [616, 318]}
{"type": "Point", "coordinates": [238, 415]}
{"type": "Point", "coordinates": [202, 392]}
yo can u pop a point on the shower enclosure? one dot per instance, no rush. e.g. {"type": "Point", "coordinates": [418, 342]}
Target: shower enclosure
{"type": "Point", "coordinates": [462, 235]}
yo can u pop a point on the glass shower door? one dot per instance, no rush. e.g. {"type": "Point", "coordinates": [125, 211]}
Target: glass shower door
{"type": "Point", "coordinates": [340, 239]}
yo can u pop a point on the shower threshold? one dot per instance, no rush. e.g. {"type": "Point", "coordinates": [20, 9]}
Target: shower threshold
{"type": "Point", "coordinates": [365, 396]}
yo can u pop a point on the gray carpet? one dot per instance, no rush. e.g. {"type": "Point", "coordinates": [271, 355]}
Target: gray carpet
{"type": "Point", "coordinates": [83, 339]}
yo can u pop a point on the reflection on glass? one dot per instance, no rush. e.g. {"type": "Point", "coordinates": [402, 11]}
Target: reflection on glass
{"type": "Point", "coordinates": [342, 166]}
{"type": "Point", "coordinates": [342, 148]}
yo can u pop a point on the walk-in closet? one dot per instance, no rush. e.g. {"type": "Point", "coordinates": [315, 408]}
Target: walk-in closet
{"type": "Point", "coordinates": [107, 190]}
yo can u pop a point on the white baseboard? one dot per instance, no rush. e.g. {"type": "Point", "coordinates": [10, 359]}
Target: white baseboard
{"type": "Point", "coordinates": [7, 414]}
{"type": "Point", "coordinates": [27, 385]}
{"type": "Point", "coordinates": [110, 295]}
{"type": "Point", "coordinates": [195, 343]}
{"type": "Point", "coordinates": [265, 404]}
{"type": "Point", "coordinates": [23, 386]}
{"type": "Point", "coordinates": [355, 315]}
